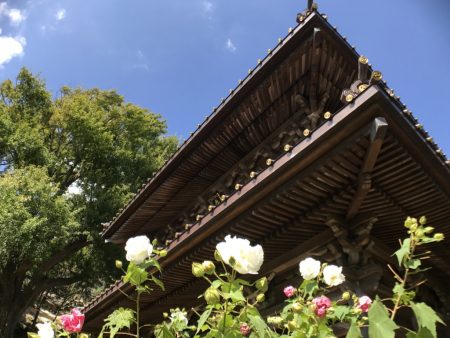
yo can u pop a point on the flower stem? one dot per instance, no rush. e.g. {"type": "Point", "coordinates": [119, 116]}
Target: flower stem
{"type": "Point", "coordinates": [138, 298]}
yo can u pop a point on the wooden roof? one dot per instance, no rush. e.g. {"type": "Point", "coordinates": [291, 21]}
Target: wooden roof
{"type": "Point", "coordinates": [260, 105]}
{"type": "Point", "coordinates": [285, 205]}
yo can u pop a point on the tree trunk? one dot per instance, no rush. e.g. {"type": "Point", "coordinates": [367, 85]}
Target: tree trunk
{"type": "Point", "coordinates": [9, 319]}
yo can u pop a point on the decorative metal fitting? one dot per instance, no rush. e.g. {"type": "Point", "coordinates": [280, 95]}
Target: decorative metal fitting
{"type": "Point", "coordinates": [199, 217]}
{"type": "Point", "coordinates": [280, 40]}
{"type": "Point", "coordinates": [290, 30]}
{"type": "Point", "coordinates": [327, 115]}
{"type": "Point", "coordinates": [364, 60]}
{"type": "Point", "coordinates": [240, 81]}
{"type": "Point", "coordinates": [223, 197]}
{"type": "Point", "coordinates": [222, 100]}
{"type": "Point", "coordinates": [187, 226]}
{"type": "Point", "coordinates": [211, 207]}
{"type": "Point", "coordinates": [376, 76]}
{"type": "Point", "coordinates": [407, 111]}
{"type": "Point", "coordinates": [269, 161]}
{"type": "Point", "coordinates": [231, 91]}
{"type": "Point", "coordinates": [287, 147]}
{"type": "Point", "coordinates": [419, 126]}
{"type": "Point", "coordinates": [447, 162]}
{"type": "Point", "coordinates": [253, 174]}
{"type": "Point", "coordinates": [349, 98]}
{"type": "Point", "coordinates": [269, 51]}
{"type": "Point", "coordinates": [430, 139]}
{"type": "Point", "coordinates": [177, 234]}
{"type": "Point", "coordinates": [439, 151]}
{"type": "Point", "coordinates": [325, 16]}
{"type": "Point", "coordinates": [362, 87]}
{"type": "Point", "coordinates": [237, 186]}
{"type": "Point", "coordinates": [306, 132]}
{"type": "Point", "coordinates": [168, 242]}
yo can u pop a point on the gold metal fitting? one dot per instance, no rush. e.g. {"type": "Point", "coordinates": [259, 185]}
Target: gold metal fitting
{"type": "Point", "coordinates": [290, 30]}
{"type": "Point", "coordinates": [306, 132]}
{"type": "Point", "coordinates": [407, 111]}
{"type": "Point", "coordinates": [279, 40]}
{"type": "Point", "coordinates": [198, 217]}
{"type": "Point", "coordinates": [240, 81]}
{"type": "Point", "coordinates": [259, 61]}
{"type": "Point", "coordinates": [223, 198]}
{"type": "Point", "coordinates": [376, 76]}
{"type": "Point", "coordinates": [362, 87]}
{"type": "Point", "coordinates": [269, 161]}
{"type": "Point", "coordinates": [349, 98]}
{"type": "Point", "coordinates": [269, 51]}
{"type": "Point", "coordinates": [253, 174]}
{"type": "Point", "coordinates": [419, 126]}
{"type": "Point", "coordinates": [325, 16]}
{"type": "Point", "coordinates": [287, 147]}
{"type": "Point", "coordinates": [363, 60]}
{"type": "Point", "coordinates": [238, 186]}
{"type": "Point", "coordinates": [231, 90]}
{"type": "Point", "coordinates": [327, 115]}
{"type": "Point", "coordinates": [302, 18]}
{"type": "Point", "coordinates": [177, 234]}
{"type": "Point", "coordinates": [447, 162]}
{"type": "Point", "coordinates": [211, 207]}
{"type": "Point", "coordinates": [439, 151]}
{"type": "Point", "coordinates": [168, 242]}
{"type": "Point", "coordinates": [250, 71]}
{"type": "Point", "coordinates": [430, 139]}
{"type": "Point", "coordinates": [187, 226]}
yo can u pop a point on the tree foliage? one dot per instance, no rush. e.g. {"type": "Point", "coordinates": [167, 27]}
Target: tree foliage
{"type": "Point", "coordinates": [69, 163]}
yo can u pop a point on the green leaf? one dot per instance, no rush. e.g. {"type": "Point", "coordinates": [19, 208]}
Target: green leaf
{"type": "Point", "coordinates": [118, 320]}
{"type": "Point", "coordinates": [380, 325]}
{"type": "Point", "coordinates": [135, 275]}
{"type": "Point", "coordinates": [258, 324]}
{"type": "Point", "coordinates": [426, 317]}
{"type": "Point", "coordinates": [354, 332]}
{"type": "Point", "coordinates": [202, 320]}
{"type": "Point", "coordinates": [341, 311]}
{"type": "Point", "coordinates": [413, 263]}
{"type": "Point", "coordinates": [158, 282]}
{"type": "Point", "coordinates": [403, 251]}
{"type": "Point", "coordinates": [423, 333]}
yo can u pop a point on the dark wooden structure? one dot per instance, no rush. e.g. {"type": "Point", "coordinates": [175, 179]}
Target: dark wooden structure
{"type": "Point", "coordinates": [312, 154]}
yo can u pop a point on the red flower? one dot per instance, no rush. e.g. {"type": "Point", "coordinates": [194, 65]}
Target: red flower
{"type": "Point", "coordinates": [73, 322]}
{"type": "Point", "coordinates": [245, 329]}
{"type": "Point", "coordinates": [289, 291]}
{"type": "Point", "coordinates": [322, 304]}
{"type": "Point", "coordinates": [364, 303]}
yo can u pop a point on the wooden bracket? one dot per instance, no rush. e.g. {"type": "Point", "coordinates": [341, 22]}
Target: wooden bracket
{"type": "Point", "coordinates": [377, 134]}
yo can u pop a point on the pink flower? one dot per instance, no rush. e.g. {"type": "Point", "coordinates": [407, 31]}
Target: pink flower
{"type": "Point", "coordinates": [73, 322]}
{"type": "Point", "coordinates": [322, 304]}
{"type": "Point", "coordinates": [245, 329]}
{"type": "Point", "coordinates": [289, 291]}
{"type": "Point", "coordinates": [364, 303]}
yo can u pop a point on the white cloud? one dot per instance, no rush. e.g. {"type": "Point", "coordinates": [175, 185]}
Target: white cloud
{"type": "Point", "coordinates": [10, 47]}
{"type": "Point", "coordinates": [15, 15]}
{"type": "Point", "coordinates": [230, 46]}
{"type": "Point", "coordinates": [207, 6]}
{"type": "Point", "coordinates": [60, 14]}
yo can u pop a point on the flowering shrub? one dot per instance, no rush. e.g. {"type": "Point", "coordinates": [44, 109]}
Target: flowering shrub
{"type": "Point", "coordinates": [231, 302]}
{"type": "Point", "coordinates": [64, 327]}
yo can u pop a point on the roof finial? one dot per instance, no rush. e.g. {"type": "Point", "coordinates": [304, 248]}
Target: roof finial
{"type": "Point", "coordinates": [312, 6]}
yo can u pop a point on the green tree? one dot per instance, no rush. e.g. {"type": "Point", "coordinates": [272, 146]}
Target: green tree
{"type": "Point", "coordinates": [68, 165]}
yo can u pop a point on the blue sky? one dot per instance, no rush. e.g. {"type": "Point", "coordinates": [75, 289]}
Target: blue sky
{"type": "Point", "coordinates": [179, 57]}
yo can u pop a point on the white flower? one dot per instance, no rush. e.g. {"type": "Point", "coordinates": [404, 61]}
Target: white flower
{"type": "Point", "coordinates": [248, 258]}
{"type": "Point", "coordinates": [138, 249]}
{"type": "Point", "coordinates": [333, 276]}
{"type": "Point", "coordinates": [45, 330]}
{"type": "Point", "coordinates": [309, 268]}
{"type": "Point", "coordinates": [179, 316]}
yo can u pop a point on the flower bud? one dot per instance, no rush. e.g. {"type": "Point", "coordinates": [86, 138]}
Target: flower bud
{"type": "Point", "coordinates": [408, 222]}
{"type": "Point", "coordinates": [428, 230]}
{"type": "Point", "coordinates": [438, 236]}
{"type": "Point", "coordinates": [232, 261]}
{"type": "Point", "coordinates": [198, 270]}
{"type": "Point", "coordinates": [419, 233]}
{"type": "Point", "coordinates": [413, 227]}
{"type": "Point", "coordinates": [423, 220]}
{"type": "Point", "coordinates": [83, 335]}
{"type": "Point", "coordinates": [217, 256]}
{"type": "Point", "coordinates": [297, 307]}
{"type": "Point", "coordinates": [292, 325]}
{"type": "Point", "coordinates": [245, 329]}
{"type": "Point", "coordinates": [212, 296]}
{"type": "Point", "coordinates": [274, 320]}
{"type": "Point", "coordinates": [346, 295]}
{"type": "Point", "coordinates": [261, 284]}
{"type": "Point", "coordinates": [119, 264]}
{"type": "Point", "coordinates": [260, 298]}
{"type": "Point", "coordinates": [165, 314]}
{"type": "Point", "coordinates": [209, 267]}
{"type": "Point", "coordinates": [163, 253]}
{"type": "Point", "coordinates": [289, 291]}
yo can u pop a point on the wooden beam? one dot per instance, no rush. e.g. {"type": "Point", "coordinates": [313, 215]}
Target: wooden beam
{"type": "Point", "coordinates": [377, 134]}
